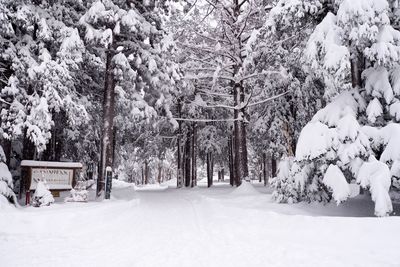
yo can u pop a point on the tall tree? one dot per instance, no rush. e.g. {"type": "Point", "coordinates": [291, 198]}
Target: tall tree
{"type": "Point", "coordinates": [129, 38]}
{"type": "Point", "coordinates": [358, 46]}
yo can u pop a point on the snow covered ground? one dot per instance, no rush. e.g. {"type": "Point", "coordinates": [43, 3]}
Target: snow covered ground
{"type": "Point", "coordinates": [221, 226]}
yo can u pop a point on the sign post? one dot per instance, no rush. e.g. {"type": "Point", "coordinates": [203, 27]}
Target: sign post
{"type": "Point", "coordinates": [108, 182]}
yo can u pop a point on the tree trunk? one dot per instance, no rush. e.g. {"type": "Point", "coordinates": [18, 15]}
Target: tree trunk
{"type": "Point", "coordinates": [146, 172]}
{"type": "Point", "coordinates": [160, 172]}
{"type": "Point", "coordinates": [231, 162]}
{"type": "Point", "coordinates": [240, 144]}
{"type": "Point", "coordinates": [241, 162]}
{"type": "Point", "coordinates": [179, 178]}
{"type": "Point", "coordinates": [273, 166]}
{"type": "Point", "coordinates": [209, 169]}
{"type": "Point", "coordinates": [357, 67]}
{"type": "Point", "coordinates": [289, 139]}
{"type": "Point", "coordinates": [142, 182]}
{"type": "Point", "coordinates": [236, 143]}
{"type": "Point", "coordinates": [265, 168]}
{"type": "Point", "coordinates": [29, 149]}
{"type": "Point", "coordinates": [188, 155]}
{"type": "Point", "coordinates": [55, 146]}
{"type": "Point", "coordinates": [114, 141]}
{"type": "Point", "coordinates": [212, 167]}
{"type": "Point", "coordinates": [194, 148]}
{"type": "Point", "coordinates": [107, 159]}
{"type": "Point", "coordinates": [6, 144]}
{"type": "Point", "coordinates": [243, 142]}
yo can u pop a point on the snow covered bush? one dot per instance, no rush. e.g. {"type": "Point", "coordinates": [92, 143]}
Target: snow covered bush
{"type": "Point", "coordinates": [284, 185]}
{"type": "Point", "coordinates": [78, 194]}
{"type": "Point", "coordinates": [6, 183]}
{"type": "Point", "coordinates": [42, 195]}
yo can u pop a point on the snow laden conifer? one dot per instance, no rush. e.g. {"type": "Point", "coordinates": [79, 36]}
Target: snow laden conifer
{"type": "Point", "coordinates": [41, 55]}
{"type": "Point", "coordinates": [356, 50]}
{"type": "Point", "coordinates": [128, 37]}
{"type": "Point", "coordinates": [277, 47]}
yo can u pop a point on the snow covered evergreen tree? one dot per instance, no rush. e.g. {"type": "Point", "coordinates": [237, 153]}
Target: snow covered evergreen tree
{"type": "Point", "coordinates": [129, 38]}
{"type": "Point", "coordinates": [7, 194]}
{"type": "Point", "coordinates": [356, 49]}
{"type": "Point", "coordinates": [42, 56]}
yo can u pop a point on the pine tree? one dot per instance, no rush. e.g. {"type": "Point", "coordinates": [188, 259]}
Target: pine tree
{"type": "Point", "coordinates": [128, 35]}
{"type": "Point", "coordinates": [42, 56]}
{"type": "Point", "coordinates": [357, 126]}
{"type": "Point", "coordinates": [6, 181]}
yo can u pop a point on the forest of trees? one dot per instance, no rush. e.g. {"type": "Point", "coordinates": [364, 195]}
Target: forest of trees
{"type": "Point", "coordinates": [159, 89]}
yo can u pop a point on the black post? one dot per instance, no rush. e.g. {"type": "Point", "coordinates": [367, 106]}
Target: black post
{"type": "Point", "coordinates": [108, 182]}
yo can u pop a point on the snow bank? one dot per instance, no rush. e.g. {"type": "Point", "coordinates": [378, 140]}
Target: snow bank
{"type": "Point", "coordinates": [78, 195]}
{"type": "Point", "coordinates": [150, 187]}
{"type": "Point", "coordinates": [4, 204]}
{"type": "Point", "coordinates": [148, 230]}
{"type": "Point", "coordinates": [121, 184]}
{"type": "Point", "coordinates": [245, 189]}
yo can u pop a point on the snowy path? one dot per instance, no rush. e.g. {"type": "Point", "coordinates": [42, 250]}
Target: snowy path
{"type": "Point", "coordinates": [199, 227]}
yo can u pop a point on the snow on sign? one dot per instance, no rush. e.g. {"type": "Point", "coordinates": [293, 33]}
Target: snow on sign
{"type": "Point", "coordinates": [55, 178]}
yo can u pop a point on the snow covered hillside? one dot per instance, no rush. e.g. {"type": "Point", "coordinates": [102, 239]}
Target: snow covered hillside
{"type": "Point", "coordinates": [221, 226]}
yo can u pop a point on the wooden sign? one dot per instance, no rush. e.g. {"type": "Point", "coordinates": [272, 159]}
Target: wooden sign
{"type": "Point", "coordinates": [60, 179]}
{"type": "Point", "coordinates": [59, 176]}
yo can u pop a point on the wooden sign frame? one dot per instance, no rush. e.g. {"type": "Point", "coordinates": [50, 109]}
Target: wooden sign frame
{"type": "Point", "coordinates": [26, 174]}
